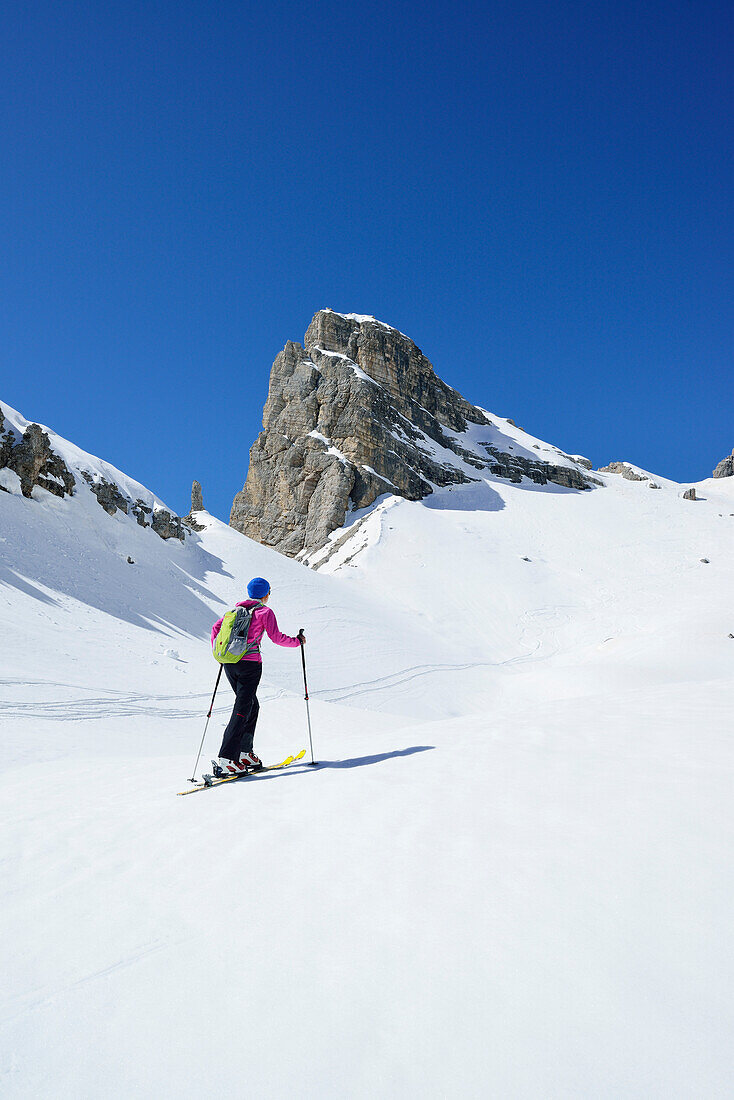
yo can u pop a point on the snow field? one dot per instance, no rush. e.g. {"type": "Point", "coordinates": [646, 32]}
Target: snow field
{"type": "Point", "coordinates": [510, 876]}
{"type": "Point", "coordinates": [367, 934]}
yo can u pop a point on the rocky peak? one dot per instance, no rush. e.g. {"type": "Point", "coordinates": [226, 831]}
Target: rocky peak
{"type": "Point", "coordinates": [358, 411]}
{"type": "Point", "coordinates": [394, 362]}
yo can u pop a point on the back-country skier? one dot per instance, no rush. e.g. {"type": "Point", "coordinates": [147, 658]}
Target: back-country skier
{"type": "Point", "coordinates": [236, 754]}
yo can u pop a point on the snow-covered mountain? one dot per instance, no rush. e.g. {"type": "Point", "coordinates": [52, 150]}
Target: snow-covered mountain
{"type": "Point", "coordinates": [510, 875]}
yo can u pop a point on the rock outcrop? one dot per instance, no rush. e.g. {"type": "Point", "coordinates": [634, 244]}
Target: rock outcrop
{"type": "Point", "coordinates": [356, 412]}
{"type": "Point", "coordinates": [725, 467]}
{"type": "Point", "coordinates": [166, 525]}
{"type": "Point", "coordinates": [112, 499]}
{"type": "Point", "coordinates": [34, 464]}
{"type": "Point", "coordinates": [31, 458]}
{"type": "Point", "coordinates": [624, 470]}
{"type": "Point", "coordinates": [108, 495]}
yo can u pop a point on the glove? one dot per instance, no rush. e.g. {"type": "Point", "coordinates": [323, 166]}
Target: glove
{"type": "Point", "coordinates": [301, 637]}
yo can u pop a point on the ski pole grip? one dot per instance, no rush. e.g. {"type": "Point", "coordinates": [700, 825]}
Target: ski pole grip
{"type": "Point", "coordinates": [301, 637]}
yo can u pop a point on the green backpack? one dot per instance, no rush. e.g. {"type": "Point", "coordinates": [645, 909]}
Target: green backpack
{"type": "Point", "coordinates": [230, 644]}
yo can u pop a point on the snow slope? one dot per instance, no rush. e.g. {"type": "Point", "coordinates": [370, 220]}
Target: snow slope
{"type": "Point", "coordinates": [510, 875]}
{"type": "Point", "coordinates": [76, 460]}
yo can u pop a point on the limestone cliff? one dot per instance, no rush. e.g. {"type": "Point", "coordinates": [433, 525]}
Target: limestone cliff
{"type": "Point", "coordinates": [356, 412]}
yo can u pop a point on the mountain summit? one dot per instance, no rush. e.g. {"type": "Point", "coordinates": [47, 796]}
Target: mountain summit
{"type": "Point", "coordinates": [357, 412]}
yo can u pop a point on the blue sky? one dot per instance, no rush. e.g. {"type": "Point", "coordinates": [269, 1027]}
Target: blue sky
{"type": "Point", "coordinates": [540, 194]}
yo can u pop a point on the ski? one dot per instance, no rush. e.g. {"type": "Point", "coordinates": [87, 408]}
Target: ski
{"type": "Point", "coordinates": [216, 781]}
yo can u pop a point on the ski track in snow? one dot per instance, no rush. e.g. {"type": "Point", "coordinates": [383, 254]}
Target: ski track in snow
{"type": "Point", "coordinates": [407, 675]}
{"type": "Point", "coordinates": [397, 679]}
{"type": "Point", "coordinates": [111, 704]}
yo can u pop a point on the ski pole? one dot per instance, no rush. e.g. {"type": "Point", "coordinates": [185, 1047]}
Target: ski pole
{"type": "Point", "coordinates": [312, 762]}
{"type": "Point", "coordinates": [211, 708]}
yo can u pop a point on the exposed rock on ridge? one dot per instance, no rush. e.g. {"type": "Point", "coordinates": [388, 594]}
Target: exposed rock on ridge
{"type": "Point", "coordinates": [626, 471]}
{"type": "Point", "coordinates": [32, 459]}
{"type": "Point", "coordinates": [164, 523]}
{"type": "Point", "coordinates": [725, 467]}
{"type": "Point", "coordinates": [356, 412]}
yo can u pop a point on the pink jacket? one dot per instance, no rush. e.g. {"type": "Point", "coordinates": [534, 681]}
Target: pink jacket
{"type": "Point", "coordinates": [262, 620]}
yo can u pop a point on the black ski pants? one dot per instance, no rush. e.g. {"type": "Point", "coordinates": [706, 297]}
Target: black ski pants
{"type": "Point", "coordinates": [244, 676]}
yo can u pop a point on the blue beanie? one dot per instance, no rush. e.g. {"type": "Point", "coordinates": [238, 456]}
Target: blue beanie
{"type": "Point", "coordinates": [258, 588]}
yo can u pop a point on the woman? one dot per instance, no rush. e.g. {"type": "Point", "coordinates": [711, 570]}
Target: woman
{"type": "Point", "coordinates": [236, 753]}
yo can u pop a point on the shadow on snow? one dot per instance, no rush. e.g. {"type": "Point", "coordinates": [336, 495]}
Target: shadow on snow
{"type": "Point", "coordinates": [378, 758]}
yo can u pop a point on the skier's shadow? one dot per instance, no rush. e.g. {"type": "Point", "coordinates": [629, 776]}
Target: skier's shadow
{"type": "Point", "coordinates": [355, 762]}
{"type": "Point", "coordinates": [363, 761]}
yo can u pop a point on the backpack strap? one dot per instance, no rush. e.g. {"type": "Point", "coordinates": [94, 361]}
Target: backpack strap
{"type": "Point", "coordinates": [254, 647]}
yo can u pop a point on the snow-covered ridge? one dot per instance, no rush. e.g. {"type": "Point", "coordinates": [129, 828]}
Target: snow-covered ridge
{"type": "Point", "coordinates": [49, 463]}
{"type": "Point", "coordinates": [78, 459]}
